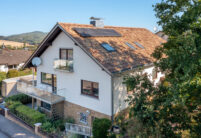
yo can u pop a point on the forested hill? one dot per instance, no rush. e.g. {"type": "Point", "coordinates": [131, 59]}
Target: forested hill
{"type": "Point", "coordinates": [33, 38]}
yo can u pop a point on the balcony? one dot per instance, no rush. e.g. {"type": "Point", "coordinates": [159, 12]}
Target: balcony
{"type": "Point", "coordinates": [42, 93]}
{"type": "Point", "coordinates": [78, 129]}
{"type": "Point", "coordinates": [63, 65]}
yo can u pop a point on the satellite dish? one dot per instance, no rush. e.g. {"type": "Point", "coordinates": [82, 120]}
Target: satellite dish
{"type": "Point", "coordinates": [36, 61]}
{"type": "Point", "coordinates": [155, 29]}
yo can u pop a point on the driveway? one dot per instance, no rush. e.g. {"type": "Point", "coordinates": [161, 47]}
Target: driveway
{"type": "Point", "coordinates": [9, 129]}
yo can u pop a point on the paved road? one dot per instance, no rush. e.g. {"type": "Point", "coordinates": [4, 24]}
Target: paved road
{"type": "Point", "coordinates": [9, 129]}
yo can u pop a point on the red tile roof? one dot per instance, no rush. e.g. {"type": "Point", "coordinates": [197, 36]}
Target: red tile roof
{"type": "Point", "coordinates": [124, 57]}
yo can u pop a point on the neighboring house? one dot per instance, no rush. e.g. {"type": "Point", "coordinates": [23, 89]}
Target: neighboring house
{"type": "Point", "coordinates": [83, 67]}
{"type": "Point", "coordinates": [162, 35]}
{"type": "Point", "coordinates": [12, 59]}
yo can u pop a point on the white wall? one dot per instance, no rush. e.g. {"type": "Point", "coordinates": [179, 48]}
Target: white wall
{"type": "Point", "coordinates": [84, 68]}
{"type": "Point", "coordinates": [3, 68]}
{"type": "Point", "coordinates": [120, 91]}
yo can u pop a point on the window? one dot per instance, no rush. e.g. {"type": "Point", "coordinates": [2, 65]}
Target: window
{"type": "Point", "coordinates": [66, 54]}
{"type": "Point", "coordinates": [83, 118]}
{"type": "Point", "coordinates": [139, 45]}
{"type": "Point", "coordinates": [131, 46]}
{"type": "Point", "coordinates": [45, 105]}
{"type": "Point", "coordinates": [49, 79]}
{"type": "Point", "coordinates": [89, 88]}
{"type": "Point", "coordinates": [107, 47]}
{"type": "Point", "coordinates": [154, 73]}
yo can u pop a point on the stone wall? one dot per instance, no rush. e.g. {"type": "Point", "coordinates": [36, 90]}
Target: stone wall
{"type": "Point", "coordinates": [73, 110]}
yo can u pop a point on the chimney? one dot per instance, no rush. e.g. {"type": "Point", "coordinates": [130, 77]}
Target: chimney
{"type": "Point", "coordinates": [97, 22]}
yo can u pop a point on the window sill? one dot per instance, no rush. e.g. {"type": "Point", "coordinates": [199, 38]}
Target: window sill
{"type": "Point", "coordinates": [89, 96]}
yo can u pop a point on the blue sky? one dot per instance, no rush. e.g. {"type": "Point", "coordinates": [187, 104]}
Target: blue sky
{"type": "Point", "coordinates": [19, 16]}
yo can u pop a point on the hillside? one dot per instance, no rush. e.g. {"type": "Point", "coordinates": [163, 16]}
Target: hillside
{"type": "Point", "coordinates": [13, 44]}
{"type": "Point", "coordinates": [33, 38]}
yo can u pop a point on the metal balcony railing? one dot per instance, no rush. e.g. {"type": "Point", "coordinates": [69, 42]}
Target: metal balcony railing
{"type": "Point", "coordinates": [41, 93]}
{"type": "Point", "coordinates": [62, 64]}
{"type": "Point", "coordinates": [78, 129]}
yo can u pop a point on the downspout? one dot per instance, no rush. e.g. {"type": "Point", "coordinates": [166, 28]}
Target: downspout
{"type": "Point", "coordinates": [112, 99]}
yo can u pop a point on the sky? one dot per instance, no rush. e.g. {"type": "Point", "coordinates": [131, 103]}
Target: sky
{"type": "Point", "coordinates": [21, 16]}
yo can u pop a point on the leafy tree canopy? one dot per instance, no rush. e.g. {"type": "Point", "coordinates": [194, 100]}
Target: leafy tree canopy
{"type": "Point", "coordinates": [174, 107]}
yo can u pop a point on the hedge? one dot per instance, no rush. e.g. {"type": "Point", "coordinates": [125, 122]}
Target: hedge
{"type": "Point", "coordinates": [13, 73]}
{"type": "Point", "coordinates": [101, 127]}
{"type": "Point", "coordinates": [27, 114]}
{"type": "Point", "coordinates": [19, 97]}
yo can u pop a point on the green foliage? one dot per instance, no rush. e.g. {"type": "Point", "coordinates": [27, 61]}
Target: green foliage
{"type": "Point", "coordinates": [48, 127]}
{"type": "Point", "coordinates": [25, 72]}
{"type": "Point", "coordinates": [53, 126]}
{"type": "Point", "coordinates": [19, 97]}
{"type": "Point", "coordinates": [13, 73]}
{"type": "Point", "coordinates": [101, 127]}
{"type": "Point", "coordinates": [172, 109]}
{"type": "Point", "coordinates": [70, 120]}
{"type": "Point", "coordinates": [27, 114]}
{"type": "Point", "coordinates": [2, 77]}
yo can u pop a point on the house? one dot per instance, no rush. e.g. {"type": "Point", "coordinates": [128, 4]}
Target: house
{"type": "Point", "coordinates": [162, 35]}
{"type": "Point", "coordinates": [12, 59]}
{"type": "Point", "coordinates": [83, 66]}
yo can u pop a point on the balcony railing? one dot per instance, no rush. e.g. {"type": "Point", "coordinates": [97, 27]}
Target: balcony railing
{"type": "Point", "coordinates": [62, 64]}
{"type": "Point", "coordinates": [41, 93]}
{"type": "Point", "coordinates": [78, 129]}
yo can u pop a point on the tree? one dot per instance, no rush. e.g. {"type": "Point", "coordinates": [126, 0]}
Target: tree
{"type": "Point", "coordinates": [173, 109]}
{"type": "Point", "coordinates": [101, 127]}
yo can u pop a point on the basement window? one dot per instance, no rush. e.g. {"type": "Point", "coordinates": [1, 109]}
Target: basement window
{"type": "Point", "coordinates": [108, 47]}
{"type": "Point", "coordinates": [129, 45]}
{"type": "Point", "coordinates": [45, 105]}
{"type": "Point", "coordinates": [139, 45]}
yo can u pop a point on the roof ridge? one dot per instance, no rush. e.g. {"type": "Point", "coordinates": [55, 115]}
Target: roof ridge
{"type": "Point", "coordinates": [106, 26]}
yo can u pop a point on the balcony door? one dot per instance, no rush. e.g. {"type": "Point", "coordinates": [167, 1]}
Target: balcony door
{"type": "Point", "coordinates": [49, 79]}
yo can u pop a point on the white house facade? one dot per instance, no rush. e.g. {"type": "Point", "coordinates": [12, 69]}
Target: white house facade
{"type": "Point", "coordinates": [82, 69]}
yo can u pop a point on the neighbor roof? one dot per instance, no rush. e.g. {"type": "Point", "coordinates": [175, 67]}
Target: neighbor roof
{"type": "Point", "coordinates": [13, 57]}
{"type": "Point", "coordinates": [123, 58]}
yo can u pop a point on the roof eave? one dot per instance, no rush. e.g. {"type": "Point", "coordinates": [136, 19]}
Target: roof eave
{"type": "Point", "coordinates": [28, 62]}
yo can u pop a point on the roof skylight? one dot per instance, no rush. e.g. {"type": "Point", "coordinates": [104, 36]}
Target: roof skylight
{"type": "Point", "coordinates": [131, 46]}
{"type": "Point", "coordinates": [139, 45]}
{"type": "Point", "coordinates": [108, 47]}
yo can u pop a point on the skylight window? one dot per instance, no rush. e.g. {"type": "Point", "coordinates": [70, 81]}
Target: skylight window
{"type": "Point", "coordinates": [139, 45]}
{"type": "Point", "coordinates": [107, 47]}
{"type": "Point", "coordinates": [131, 46]}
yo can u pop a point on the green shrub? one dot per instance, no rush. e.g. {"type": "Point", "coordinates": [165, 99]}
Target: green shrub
{"type": "Point", "coordinates": [25, 72]}
{"type": "Point", "coordinates": [27, 114]}
{"type": "Point", "coordinates": [101, 127]}
{"type": "Point", "coordinates": [24, 99]}
{"type": "Point", "coordinates": [12, 105]}
{"type": "Point", "coordinates": [48, 127]}
{"type": "Point", "coordinates": [70, 120]}
{"type": "Point", "coordinates": [13, 73]}
{"type": "Point", "coordinates": [2, 77]}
